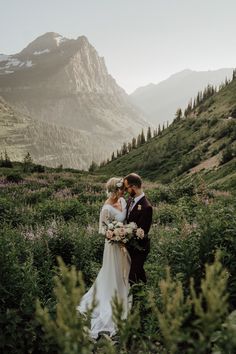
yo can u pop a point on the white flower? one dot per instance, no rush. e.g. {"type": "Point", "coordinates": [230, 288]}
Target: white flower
{"type": "Point", "coordinates": [129, 230]}
{"type": "Point", "coordinates": [140, 233]}
{"type": "Point", "coordinates": [110, 226]}
{"type": "Point", "coordinates": [132, 225]}
{"type": "Point", "coordinates": [119, 224]}
{"type": "Point", "coordinates": [117, 238]}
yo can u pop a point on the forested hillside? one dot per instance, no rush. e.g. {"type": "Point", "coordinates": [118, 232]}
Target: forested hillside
{"type": "Point", "coordinates": [203, 138]}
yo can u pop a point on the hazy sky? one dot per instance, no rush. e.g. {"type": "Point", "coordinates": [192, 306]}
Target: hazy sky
{"type": "Point", "coordinates": [142, 41]}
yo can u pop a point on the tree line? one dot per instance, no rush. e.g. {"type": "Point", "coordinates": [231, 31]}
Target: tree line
{"type": "Point", "coordinates": [140, 140]}
{"type": "Point", "coordinates": [201, 97]}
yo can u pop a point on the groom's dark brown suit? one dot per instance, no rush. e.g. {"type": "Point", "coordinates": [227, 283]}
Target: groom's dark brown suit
{"type": "Point", "coordinates": [141, 214]}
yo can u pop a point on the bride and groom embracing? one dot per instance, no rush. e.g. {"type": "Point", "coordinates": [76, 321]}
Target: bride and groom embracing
{"type": "Point", "coordinates": [122, 266]}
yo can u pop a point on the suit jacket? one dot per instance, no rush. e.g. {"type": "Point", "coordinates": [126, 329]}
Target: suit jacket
{"type": "Point", "coordinates": [141, 214]}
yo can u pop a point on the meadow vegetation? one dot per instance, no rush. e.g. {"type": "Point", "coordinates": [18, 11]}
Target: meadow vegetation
{"type": "Point", "coordinates": [188, 304]}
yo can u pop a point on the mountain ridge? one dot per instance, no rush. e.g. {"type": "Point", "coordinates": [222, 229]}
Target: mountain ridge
{"type": "Point", "coordinates": [160, 101]}
{"type": "Point", "coordinates": [70, 86]}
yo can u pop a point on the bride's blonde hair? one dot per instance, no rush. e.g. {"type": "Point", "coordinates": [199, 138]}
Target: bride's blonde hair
{"type": "Point", "coordinates": [113, 185]}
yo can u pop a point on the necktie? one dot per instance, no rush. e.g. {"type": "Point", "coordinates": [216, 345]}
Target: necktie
{"type": "Point", "coordinates": [130, 206]}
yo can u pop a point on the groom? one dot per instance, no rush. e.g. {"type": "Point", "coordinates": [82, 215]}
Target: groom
{"type": "Point", "coordinates": [139, 210]}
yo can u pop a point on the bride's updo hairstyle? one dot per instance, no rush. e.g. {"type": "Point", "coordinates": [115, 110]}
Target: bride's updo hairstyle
{"type": "Point", "coordinates": [113, 185]}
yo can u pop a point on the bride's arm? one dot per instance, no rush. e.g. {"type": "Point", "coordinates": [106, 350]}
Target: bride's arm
{"type": "Point", "coordinates": [104, 219]}
{"type": "Point", "coordinates": [123, 203]}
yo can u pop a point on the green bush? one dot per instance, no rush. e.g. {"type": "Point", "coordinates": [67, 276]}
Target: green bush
{"type": "Point", "coordinates": [38, 168]}
{"type": "Point", "coordinates": [68, 209]}
{"type": "Point", "coordinates": [18, 292]}
{"type": "Point", "coordinates": [14, 177]}
{"type": "Point", "coordinates": [227, 155]}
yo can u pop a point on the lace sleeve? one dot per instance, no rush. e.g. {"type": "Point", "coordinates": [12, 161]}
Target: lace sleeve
{"type": "Point", "coordinates": [104, 219]}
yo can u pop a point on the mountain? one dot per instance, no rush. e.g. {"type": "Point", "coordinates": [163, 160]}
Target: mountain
{"type": "Point", "coordinates": [203, 142]}
{"type": "Point", "coordinates": [64, 82]}
{"type": "Point", "coordinates": [47, 143]}
{"type": "Point", "coordinates": [159, 102]}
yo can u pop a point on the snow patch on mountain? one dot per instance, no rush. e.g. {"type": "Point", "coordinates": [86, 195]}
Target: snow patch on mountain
{"type": "Point", "coordinates": [60, 40]}
{"type": "Point", "coordinates": [28, 63]}
{"type": "Point", "coordinates": [14, 63]}
{"type": "Point", "coordinates": [41, 52]}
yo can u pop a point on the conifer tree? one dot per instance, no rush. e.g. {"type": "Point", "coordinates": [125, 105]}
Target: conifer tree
{"type": "Point", "coordinates": [129, 146]}
{"type": "Point", "coordinates": [93, 167]}
{"type": "Point", "coordinates": [149, 133]}
{"type": "Point", "coordinates": [7, 162]}
{"type": "Point", "coordinates": [134, 143]}
{"type": "Point", "coordinates": [1, 160]}
{"type": "Point", "coordinates": [155, 132]}
{"type": "Point", "coordinates": [113, 156]}
{"type": "Point", "coordinates": [234, 74]}
{"type": "Point", "coordinates": [178, 114]}
{"type": "Point", "coordinates": [159, 129]}
{"type": "Point", "coordinates": [27, 162]}
{"type": "Point", "coordinates": [139, 140]}
{"type": "Point", "coordinates": [124, 149]}
{"type": "Point", "coordinates": [142, 138]}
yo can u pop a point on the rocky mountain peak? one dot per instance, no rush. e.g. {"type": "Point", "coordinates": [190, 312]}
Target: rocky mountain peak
{"type": "Point", "coordinates": [47, 42]}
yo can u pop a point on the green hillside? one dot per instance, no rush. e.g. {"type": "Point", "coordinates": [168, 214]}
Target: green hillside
{"type": "Point", "coordinates": [203, 141]}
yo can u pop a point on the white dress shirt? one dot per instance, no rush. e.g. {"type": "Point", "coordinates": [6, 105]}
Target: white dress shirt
{"type": "Point", "coordinates": [137, 199]}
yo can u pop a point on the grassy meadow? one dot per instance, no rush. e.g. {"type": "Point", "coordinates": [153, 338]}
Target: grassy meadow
{"type": "Point", "coordinates": [185, 307]}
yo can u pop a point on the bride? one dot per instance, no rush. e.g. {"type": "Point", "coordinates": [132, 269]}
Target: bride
{"type": "Point", "coordinates": [112, 279]}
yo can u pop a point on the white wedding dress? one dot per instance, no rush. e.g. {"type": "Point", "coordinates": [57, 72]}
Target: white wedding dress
{"type": "Point", "coordinates": [112, 279]}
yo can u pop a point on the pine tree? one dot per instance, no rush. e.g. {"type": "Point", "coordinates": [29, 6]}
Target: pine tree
{"type": "Point", "coordinates": [139, 140]}
{"type": "Point", "coordinates": [149, 134]}
{"type": "Point", "coordinates": [124, 149]}
{"type": "Point", "coordinates": [142, 138]}
{"type": "Point", "coordinates": [1, 160]}
{"type": "Point", "coordinates": [134, 143]}
{"type": "Point", "coordinates": [234, 74]}
{"type": "Point", "coordinates": [159, 129]}
{"type": "Point", "coordinates": [155, 132]}
{"type": "Point", "coordinates": [27, 162]}
{"type": "Point", "coordinates": [7, 162]}
{"type": "Point", "coordinates": [129, 147]}
{"type": "Point", "coordinates": [178, 115]}
{"type": "Point", "coordinates": [113, 156]}
{"type": "Point", "coordinates": [93, 167]}
{"type": "Point", "coordinates": [188, 110]}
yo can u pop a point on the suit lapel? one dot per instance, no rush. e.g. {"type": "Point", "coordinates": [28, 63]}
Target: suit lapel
{"type": "Point", "coordinates": [135, 208]}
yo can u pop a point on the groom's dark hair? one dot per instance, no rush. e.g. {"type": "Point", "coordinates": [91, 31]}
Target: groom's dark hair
{"type": "Point", "coordinates": [134, 180]}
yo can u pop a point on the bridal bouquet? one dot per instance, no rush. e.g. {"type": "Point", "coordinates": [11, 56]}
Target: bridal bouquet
{"type": "Point", "coordinates": [120, 233]}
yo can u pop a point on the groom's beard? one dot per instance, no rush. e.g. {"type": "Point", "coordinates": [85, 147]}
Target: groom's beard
{"type": "Point", "coordinates": [132, 194]}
